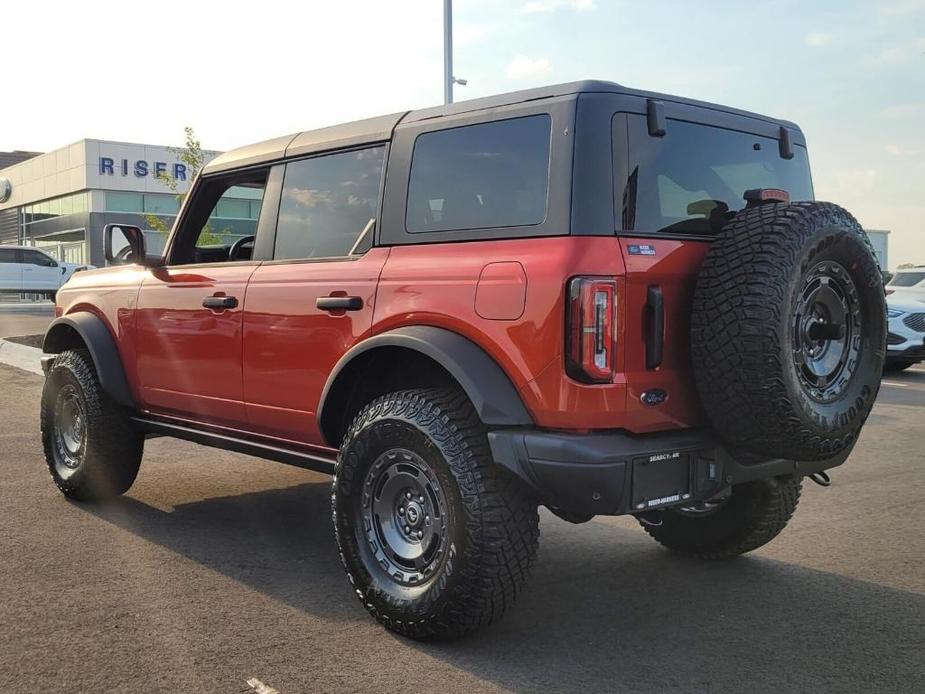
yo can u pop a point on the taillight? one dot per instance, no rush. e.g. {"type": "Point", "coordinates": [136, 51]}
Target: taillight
{"type": "Point", "coordinates": [591, 329]}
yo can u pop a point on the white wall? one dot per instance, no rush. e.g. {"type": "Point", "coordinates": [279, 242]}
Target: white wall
{"type": "Point", "coordinates": [879, 239]}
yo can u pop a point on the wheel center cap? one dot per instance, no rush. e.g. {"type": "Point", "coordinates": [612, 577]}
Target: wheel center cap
{"type": "Point", "coordinates": [413, 513]}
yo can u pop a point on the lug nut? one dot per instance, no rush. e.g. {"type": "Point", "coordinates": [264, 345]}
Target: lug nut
{"type": "Point", "coordinates": [407, 529]}
{"type": "Point", "coordinates": [421, 499]}
{"type": "Point", "coordinates": [401, 510]}
{"type": "Point", "coordinates": [408, 496]}
{"type": "Point", "coordinates": [420, 534]}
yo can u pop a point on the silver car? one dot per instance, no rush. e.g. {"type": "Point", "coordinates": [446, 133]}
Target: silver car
{"type": "Point", "coordinates": [905, 342]}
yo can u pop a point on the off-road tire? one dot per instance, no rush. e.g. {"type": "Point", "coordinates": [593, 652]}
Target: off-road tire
{"type": "Point", "coordinates": [106, 463]}
{"type": "Point", "coordinates": [493, 525]}
{"type": "Point", "coordinates": [746, 325]}
{"type": "Point", "coordinates": [753, 515]}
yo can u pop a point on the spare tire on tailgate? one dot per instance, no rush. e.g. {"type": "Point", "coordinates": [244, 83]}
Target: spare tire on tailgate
{"type": "Point", "coordinates": [788, 330]}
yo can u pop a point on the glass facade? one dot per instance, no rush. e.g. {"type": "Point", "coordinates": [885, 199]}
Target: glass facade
{"type": "Point", "coordinates": [56, 207]}
{"type": "Point", "coordinates": [238, 203]}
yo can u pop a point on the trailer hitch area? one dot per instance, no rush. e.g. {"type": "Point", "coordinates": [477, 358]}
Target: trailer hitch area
{"type": "Point", "coordinates": [652, 519]}
{"type": "Point", "coordinates": [821, 478]}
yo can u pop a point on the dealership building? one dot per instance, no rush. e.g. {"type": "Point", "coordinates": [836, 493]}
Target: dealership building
{"type": "Point", "coordinates": [61, 200]}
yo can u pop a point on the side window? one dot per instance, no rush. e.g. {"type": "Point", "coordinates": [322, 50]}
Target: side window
{"type": "Point", "coordinates": [328, 205]}
{"type": "Point", "coordinates": [36, 258]}
{"type": "Point", "coordinates": [221, 222]}
{"type": "Point", "coordinates": [481, 176]}
{"type": "Point", "coordinates": [8, 255]}
{"type": "Point", "coordinates": [689, 180]}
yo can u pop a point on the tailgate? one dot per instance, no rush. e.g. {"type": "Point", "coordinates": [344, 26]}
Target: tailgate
{"type": "Point", "coordinates": [660, 277]}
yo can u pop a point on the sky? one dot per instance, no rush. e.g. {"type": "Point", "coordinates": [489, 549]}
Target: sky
{"type": "Point", "coordinates": [852, 74]}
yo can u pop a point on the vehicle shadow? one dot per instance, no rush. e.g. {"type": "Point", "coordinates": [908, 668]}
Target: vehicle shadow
{"type": "Point", "coordinates": [605, 610]}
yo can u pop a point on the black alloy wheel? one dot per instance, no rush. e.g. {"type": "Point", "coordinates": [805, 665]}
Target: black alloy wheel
{"type": "Point", "coordinates": [403, 513]}
{"type": "Point", "coordinates": [826, 331]}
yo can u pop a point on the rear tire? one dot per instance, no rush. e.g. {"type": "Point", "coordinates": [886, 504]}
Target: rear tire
{"type": "Point", "coordinates": [92, 450]}
{"type": "Point", "coordinates": [436, 539]}
{"type": "Point", "coordinates": [752, 516]}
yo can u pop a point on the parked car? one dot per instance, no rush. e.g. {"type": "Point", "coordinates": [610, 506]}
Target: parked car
{"type": "Point", "coordinates": [30, 270]}
{"type": "Point", "coordinates": [906, 337]}
{"type": "Point", "coordinates": [908, 283]}
{"type": "Point", "coordinates": [598, 299]}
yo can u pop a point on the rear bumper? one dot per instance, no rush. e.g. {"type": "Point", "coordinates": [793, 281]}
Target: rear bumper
{"type": "Point", "coordinates": [613, 473]}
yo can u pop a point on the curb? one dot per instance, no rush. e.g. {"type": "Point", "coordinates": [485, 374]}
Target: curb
{"type": "Point", "coordinates": [21, 357]}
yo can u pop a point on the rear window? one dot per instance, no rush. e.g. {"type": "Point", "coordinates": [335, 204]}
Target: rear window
{"type": "Point", "coordinates": [687, 181]}
{"type": "Point", "coordinates": [907, 279]}
{"type": "Point", "coordinates": [480, 176]}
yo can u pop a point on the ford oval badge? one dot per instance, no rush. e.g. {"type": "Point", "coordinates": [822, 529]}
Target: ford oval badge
{"type": "Point", "coordinates": [653, 397]}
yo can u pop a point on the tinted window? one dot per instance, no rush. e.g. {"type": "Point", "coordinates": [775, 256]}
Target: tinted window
{"type": "Point", "coordinates": [36, 258]}
{"type": "Point", "coordinates": [907, 279]}
{"type": "Point", "coordinates": [480, 176]}
{"type": "Point", "coordinates": [688, 180]}
{"type": "Point", "coordinates": [328, 203]}
{"type": "Point", "coordinates": [8, 255]}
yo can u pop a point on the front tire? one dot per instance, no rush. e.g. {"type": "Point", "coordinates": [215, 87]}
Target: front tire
{"type": "Point", "coordinates": [436, 539]}
{"type": "Point", "coordinates": [91, 448]}
{"type": "Point", "coordinates": [753, 515]}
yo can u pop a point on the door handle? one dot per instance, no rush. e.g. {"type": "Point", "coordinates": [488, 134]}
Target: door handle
{"type": "Point", "coordinates": [339, 303]}
{"type": "Point", "coordinates": [655, 323]}
{"type": "Point", "coordinates": [219, 303]}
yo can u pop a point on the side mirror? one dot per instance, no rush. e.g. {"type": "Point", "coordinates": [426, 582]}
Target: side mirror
{"type": "Point", "coordinates": [124, 244]}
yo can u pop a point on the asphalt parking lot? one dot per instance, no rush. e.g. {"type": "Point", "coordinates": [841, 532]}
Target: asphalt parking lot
{"type": "Point", "coordinates": [217, 569]}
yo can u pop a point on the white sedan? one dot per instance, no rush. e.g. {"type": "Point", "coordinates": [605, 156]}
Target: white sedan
{"type": "Point", "coordinates": [905, 342]}
{"type": "Point", "coordinates": [27, 269]}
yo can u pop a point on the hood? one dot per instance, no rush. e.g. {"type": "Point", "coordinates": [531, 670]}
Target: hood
{"type": "Point", "coordinates": [909, 304]}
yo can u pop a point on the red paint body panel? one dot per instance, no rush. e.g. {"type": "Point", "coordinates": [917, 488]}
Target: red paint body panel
{"type": "Point", "coordinates": [262, 366]}
{"type": "Point", "coordinates": [674, 269]}
{"type": "Point", "coordinates": [290, 346]}
{"type": "Point", "coordinates": [435, 284]}
{"type": "Point", "coordinates": [110, 294]}
{"type": "Point", "coordinates": [189, 357]}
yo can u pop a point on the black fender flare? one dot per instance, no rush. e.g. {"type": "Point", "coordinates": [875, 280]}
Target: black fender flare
{"type": "Point", "coordinates": [101, 346]}
{"type": "Point", "coordinates": [493, 395]}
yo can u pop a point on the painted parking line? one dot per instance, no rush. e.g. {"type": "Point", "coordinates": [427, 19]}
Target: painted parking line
{"type": "Point", "coordinates": [260, 687]}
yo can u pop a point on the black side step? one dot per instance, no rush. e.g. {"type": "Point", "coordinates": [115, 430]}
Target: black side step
{"type": "Point", "coordinates": [303, 459]}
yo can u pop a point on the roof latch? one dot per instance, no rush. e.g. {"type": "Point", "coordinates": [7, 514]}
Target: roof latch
{"type": "Point", "coordinates": [785, 143]}
{"type": "Point", "coordinates": [655, 117]}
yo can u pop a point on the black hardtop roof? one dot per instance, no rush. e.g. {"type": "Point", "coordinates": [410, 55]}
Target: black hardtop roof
{"type": "Point", "coordinates": [380, 128]}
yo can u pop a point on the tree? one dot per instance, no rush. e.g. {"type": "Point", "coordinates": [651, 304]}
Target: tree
{"type": "Point", "coordinates": [194, 158]}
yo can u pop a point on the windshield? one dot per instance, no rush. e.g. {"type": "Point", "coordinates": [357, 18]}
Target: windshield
{"type": "Point", "coordinates": [907, 279]}
{"type": "Point", "coordinates": [692, 178]}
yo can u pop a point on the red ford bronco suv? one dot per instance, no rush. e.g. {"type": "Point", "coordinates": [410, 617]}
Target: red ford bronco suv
{"type": "Point", "coordinates": [589, 297]}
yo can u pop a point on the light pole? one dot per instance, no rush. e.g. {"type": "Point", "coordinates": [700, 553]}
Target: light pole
{"type": "Point", "coordinates": [448, 51]}
{"type": "Point", "coordinates": [448, 79]}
